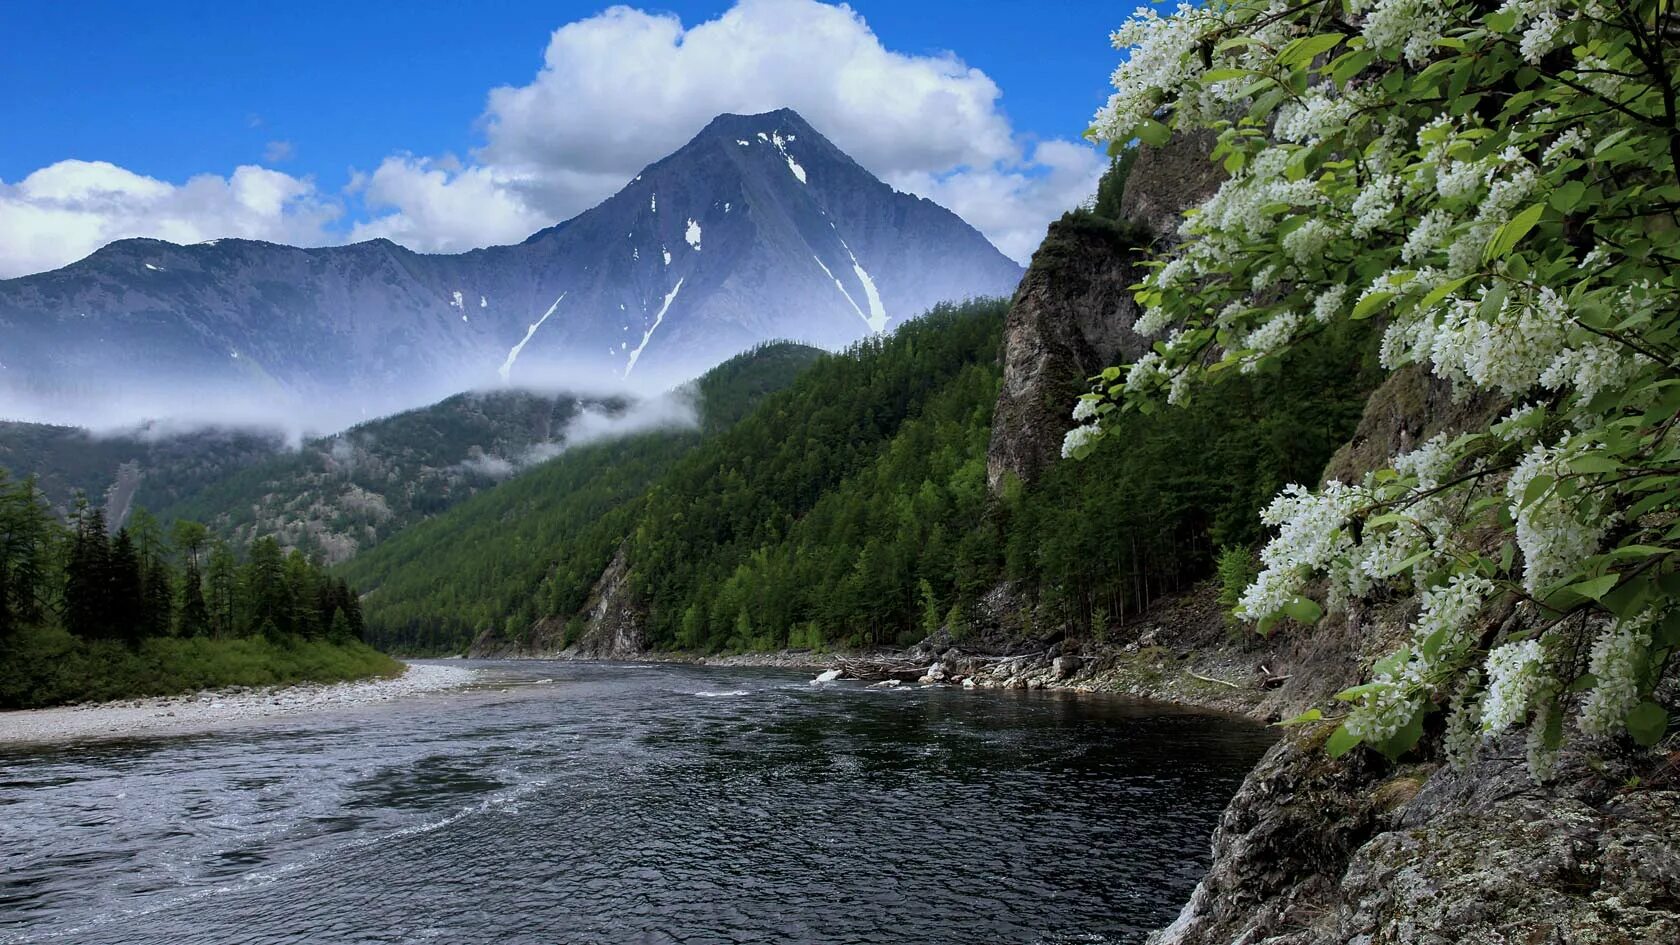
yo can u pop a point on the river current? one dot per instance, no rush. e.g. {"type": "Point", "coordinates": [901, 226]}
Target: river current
{"type": "Point", "coordinates": [615, 803]}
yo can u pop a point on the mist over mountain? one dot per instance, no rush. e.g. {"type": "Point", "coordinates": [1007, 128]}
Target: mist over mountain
{"type": "Point", "coordinates": [757, 229]}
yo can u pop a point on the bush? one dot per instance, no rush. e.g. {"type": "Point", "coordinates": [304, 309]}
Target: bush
{"type": "Point", "coordinates": [49, 666]}
{"type": "Point", "coordinates": [1237, 570]}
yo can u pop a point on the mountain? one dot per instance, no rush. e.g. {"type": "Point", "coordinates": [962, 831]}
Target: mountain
{"type": "Point", "coordinates": [759, 228]}
{"type": "Point", "coordinates": [147, 466]}
{"type": "Point", "coordinates": [338, 495]}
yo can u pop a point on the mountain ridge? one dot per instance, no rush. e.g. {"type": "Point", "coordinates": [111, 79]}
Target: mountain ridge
{"type": "Point", "coordinates": [758, 228]}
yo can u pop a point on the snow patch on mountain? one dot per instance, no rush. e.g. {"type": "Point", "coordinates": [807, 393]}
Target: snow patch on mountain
{"type": "Point", "coordinates": [669, 298]}
{"type": "Point", "coordinates": [513, 355]}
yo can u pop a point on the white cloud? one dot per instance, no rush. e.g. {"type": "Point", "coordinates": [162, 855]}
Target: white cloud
{"type": "Point", "coordinates": [1012, 206]}
{"type": "Point", "coordinates": [277, 151]}
{"type": "Point", "coordinates": [621, 89]}
{"type": "Point", "coordinates": [438, 206]}
{"type": "Point", "coordinates": [67, 210]}
{"type": "Point", "coordinates": [615, 92]}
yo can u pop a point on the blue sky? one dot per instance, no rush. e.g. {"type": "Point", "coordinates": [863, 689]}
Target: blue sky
{"type": "Point", "coordinates": [316, 92]}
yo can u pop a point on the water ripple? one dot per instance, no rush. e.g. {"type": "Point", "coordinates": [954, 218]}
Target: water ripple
{"type": "Point", "coordinates": [619, 804]}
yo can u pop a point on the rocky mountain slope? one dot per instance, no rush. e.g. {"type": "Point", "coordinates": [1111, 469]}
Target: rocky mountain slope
{"type": "Point", "coordinates": [152, 466]}
{"type": "Point", "coordinates": [757, 229]}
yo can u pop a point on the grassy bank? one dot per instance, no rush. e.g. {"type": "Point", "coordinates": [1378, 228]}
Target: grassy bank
{"type": "Point", "coordinates": [48, 666]}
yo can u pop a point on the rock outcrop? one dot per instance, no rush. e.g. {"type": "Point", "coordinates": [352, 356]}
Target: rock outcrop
{"type": "Point", "coordinates": [1314, 850]}
{"type": "Point", "coordinates": [1071, 317]}
{"type": "Point", "coordinates": [614, 628]}
{"type": "Point", "coordinates": [610, 626]}
{"type": "Point", "coordinates": [1073, 312]}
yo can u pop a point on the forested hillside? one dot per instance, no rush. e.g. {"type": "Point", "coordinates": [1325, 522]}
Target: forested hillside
{"type": "Point", "coordinates": [536, 543]}
{"type": "Point", "coordinates": [336, 495]}
{"type": "Point", "coordinates": [852, 508]}
{"type": "Point", "coordinates": [151, 467]}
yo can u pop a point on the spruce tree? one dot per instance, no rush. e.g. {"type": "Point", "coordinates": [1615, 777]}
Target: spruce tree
{"type": "Point", "coordinates": [194, 616]}
{"type": "Point", "coordinates": [125, 610]}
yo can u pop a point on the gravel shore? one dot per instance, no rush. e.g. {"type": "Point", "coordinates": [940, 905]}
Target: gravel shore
{"type": "Point", "coordinates": [217, 708]}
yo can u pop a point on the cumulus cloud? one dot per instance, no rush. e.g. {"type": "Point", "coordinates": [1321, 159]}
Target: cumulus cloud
{"type": "Point", "coordinates": [67, 210]}
{"type": "Point", "coordinates": [439, 206]}
{"type": "Point", "coordinates": [621, 89]}
{"type": "Point", "coordinates": [615, 92]}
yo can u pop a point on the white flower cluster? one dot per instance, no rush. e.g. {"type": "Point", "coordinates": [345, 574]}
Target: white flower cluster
{"type": "Point", "coordinates": [1079, 437]}
{"type": "Point", "coordinates": [1153, 321]}
{"type": "Point", "coordinates": [1311, 534]}
{"type": "Point", "coordinates": [1272, 336]}
{"type": "Point", "coordinates": [1553, 533]}
{"type": "Point", "coordinates": [1374, 205]}
{"type": "Point", "coordinates": [1314, 115]}
{"type": "Point", "coordinates": [1520, 424]}
{"type": "Point", "coordinates": [1428, 235]}
{"type": "Point", "coordinates": [1464, 721]}
{"type": "Point", "coordinates": [1411, 26]}
{"type": "Point", "coordinates": [1515, 674]}
{"type": "Point", "coordinates": [1541, 23]}
{"type": "Point", "coordinates": [1329, 302]}
{"type": "Point", "coordinates": [1306, 243]}
{"type": "Point", "coordinates": [1617, 657]}
{"type": "Point", "coordinates": [1085, 408]}
{"type": "Point", "coordinates": [1161, 61]}
{"type": "Point", "coordinates": [1441, 640]}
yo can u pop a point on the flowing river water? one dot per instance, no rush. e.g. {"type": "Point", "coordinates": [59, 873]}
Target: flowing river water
{"type": "Point", "coordinates": [613, 803]}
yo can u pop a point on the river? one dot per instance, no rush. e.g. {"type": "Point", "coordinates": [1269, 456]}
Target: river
{"type": "Point", "coordinates": [614, 803]}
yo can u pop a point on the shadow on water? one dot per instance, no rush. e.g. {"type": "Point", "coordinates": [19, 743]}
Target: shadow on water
{"type": "Point", "coordinates": [615, 803]}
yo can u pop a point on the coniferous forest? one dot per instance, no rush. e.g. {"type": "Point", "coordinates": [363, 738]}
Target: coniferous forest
{"type": "Point", "coordinates": [86, 614]}
{"type": "Point", "coordinates": [852, 508]}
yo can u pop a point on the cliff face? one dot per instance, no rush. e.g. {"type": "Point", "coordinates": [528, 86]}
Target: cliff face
{"type": "Point", "coordinates": [612, 626]}
{"type": "Point", "coordinates": [1072, 314]}
{"type": "Point", "coordinates": [1071, 317]}
{"type": "Point", "coordinates": [1315, 850]}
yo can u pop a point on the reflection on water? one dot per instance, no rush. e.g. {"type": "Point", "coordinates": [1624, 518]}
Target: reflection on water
{"type": "Point", "coordinates": [598, 803]}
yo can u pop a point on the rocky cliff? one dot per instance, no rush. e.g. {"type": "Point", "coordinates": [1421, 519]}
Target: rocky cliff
{"type": "Point", "coordinates": [1073, 312]}
{"type": "Point", "coordinates": [1314, 850]}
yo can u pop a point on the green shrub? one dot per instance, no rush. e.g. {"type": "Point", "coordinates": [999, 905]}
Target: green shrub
{"type": "Point", "coordinates": [48, 666]}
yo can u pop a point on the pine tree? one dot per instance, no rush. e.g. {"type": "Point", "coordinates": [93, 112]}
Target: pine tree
{"type": "Point", "coordinates": [87, 571]}
{"type": "Point", "coordinates": [125, 609]}
{"type": "Point", "coordinates": [194, 616]}
{"type": "Point", "coordinates": [224, 604]}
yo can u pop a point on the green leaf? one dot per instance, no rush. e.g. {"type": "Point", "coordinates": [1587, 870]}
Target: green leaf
{"type": "Point", "coordinates": [1305, 718]}
{"type": "Point", "coordinates": [1150, 131]}
{"type": "Point", "coordinates": [1442, 291]}
{"type": "Point", "coordinates": [1595, 588]}
{"type": "Point", "coordinates": [1568, 196]}
{"type": "Point", "coordinates": [1647, 723]}
{"type": "Point", "coordinates": [1403, 740]}
{"type": "Point", "coordinates": [1341, 742]}
{"type": "Point", "coordinates": [1537, 487]}
{"type": "Point", "coordinates": [1350, 64]}
{"type": "Point", "coordinates": [1307, 48]}
{"type": "Point", "coordinates": [1368, 305]}
{"type": "Point", "coordinates": [1304, 610]}
{"type": "Point", "coordinates": [1594, 463]}
{"type": "Point", "coordinates": [1512, 232]}
{"type": "Point", "coordinates": [1224, 74]}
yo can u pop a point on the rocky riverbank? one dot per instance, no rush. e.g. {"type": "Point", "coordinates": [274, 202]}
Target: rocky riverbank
{"type": "Point", "coordinates": [213, 709]}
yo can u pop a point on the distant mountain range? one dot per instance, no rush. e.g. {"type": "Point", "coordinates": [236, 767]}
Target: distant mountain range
{"type": "Point", "coordinates": [757, 229]}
